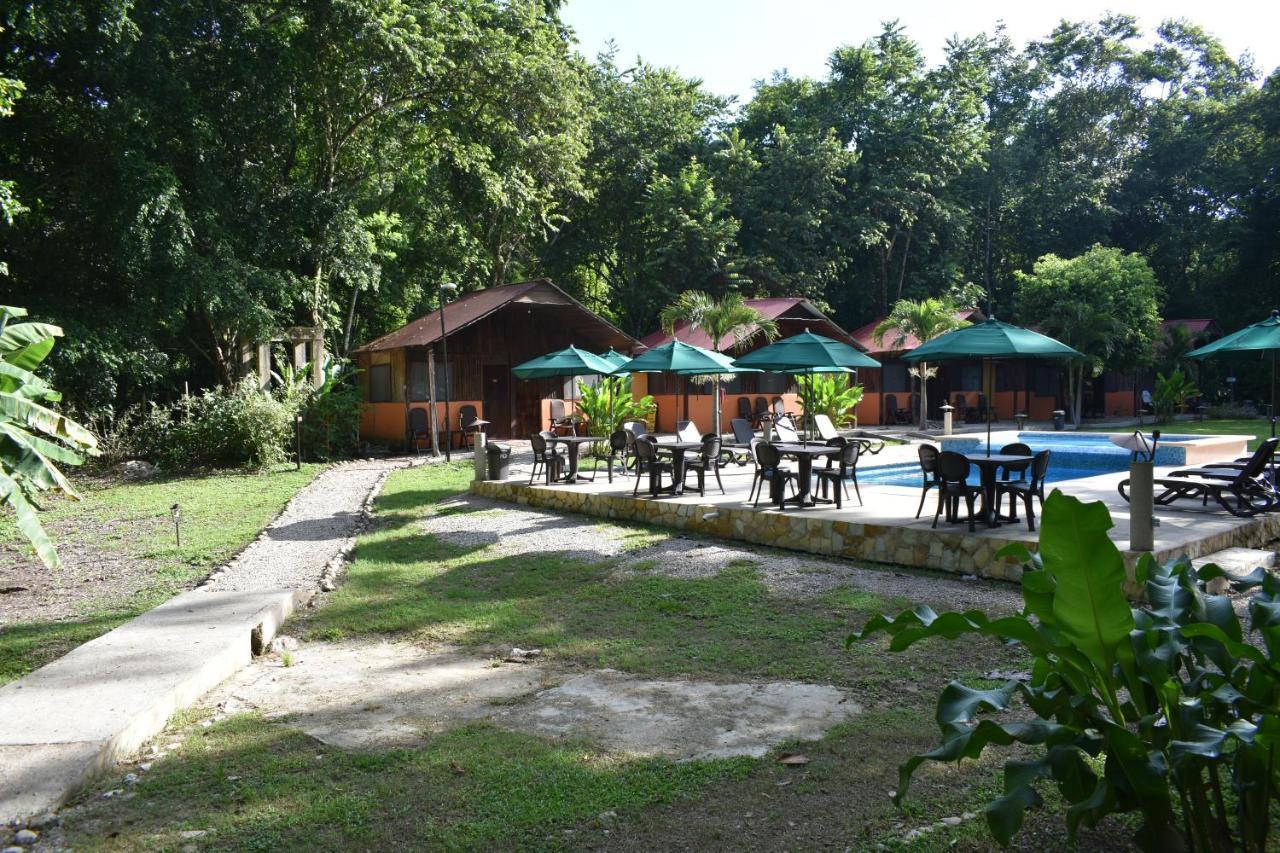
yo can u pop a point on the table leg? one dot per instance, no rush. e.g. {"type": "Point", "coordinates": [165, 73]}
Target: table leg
{"type": "Point", "coordinates": [806, 477]}
{"type": "Point", "coordinates": [654, 477]}
{"type": "Point", "coordinates": [989, 513]}
{"type": "Point", "coordinates": [677, 472]}
{"type": "Point", "coordinates": [572, 476]}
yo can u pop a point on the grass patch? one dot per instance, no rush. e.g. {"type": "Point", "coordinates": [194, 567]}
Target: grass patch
{"type": "Point", "coordinates": [130, 521]}
{"type": "Point", "coordinates": [1258, 428]}
{"type": "Point", "coordinates": [252, 785]}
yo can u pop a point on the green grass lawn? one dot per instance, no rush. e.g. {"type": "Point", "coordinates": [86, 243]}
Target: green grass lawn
{"type": "Point", "coordinates": [1259, 428]}
{"type": "Point", "coordinates": [253, 783]}
{"type": "Point", "coordinates": [222, 512]}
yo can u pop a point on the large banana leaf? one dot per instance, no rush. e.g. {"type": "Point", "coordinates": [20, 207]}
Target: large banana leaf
{"type": "Point", "coordinates": [37, 417]}
{"type": "Point", "coordinates": [28, 522]}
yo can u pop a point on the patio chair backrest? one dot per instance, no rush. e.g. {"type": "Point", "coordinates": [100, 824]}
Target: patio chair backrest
{"type": "Point", "coordinates": [779, 407]}
{"type": "Point", "coordinates": [786, 431]}
{"type": "Point", "coordinates": [1016, 449]}
{"type": "Point", "coordinates": [556, 408]}
{"type": "Point", "coordinates": [1258, 463]}
{"type": "Point", "coordinates": [418, 420]}
{"type": "Point", "coordinates": [826, 429]}
{"type": "Point", "coordinates": [538, 442]}
{"type": "Point", "coordinates": [742, 431]}
{"type": "Point", "coordinates": [890, 403]}
{"type": "Point", "coordinates": [762, 406]}
{"type": "Point", "coordinates": [467, 416]}
{"type": "Point", "coordinates": [953, 468]}
{"type": "Point", "coordinates": [849, 455]}
{"type": "Point", "coordinates": [636, 428]}
{"type": "Point", "coordinates": [767, 456]}
{"type": "Point", "coordinates": [1039, 467]}
{"type": "Point", "coordinates": [619, 440]}
{"type": "Point", "coordinates": [928, 459]}
{"type": "Point", "coordinates": [646, 447]}
{"type": "Point", "coordinates": [687, 431]}
{"type": "Point", "coordinates": [710, 447]}
{"type": "Point", "coordinates": [744, 407]}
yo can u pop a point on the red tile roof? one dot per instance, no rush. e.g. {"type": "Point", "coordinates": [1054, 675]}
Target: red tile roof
{"type": "Point", "coordinates": [1195, 327]}
{"type": "Point", "coordinates": [866, 335]}
{"type": "Point", "coordinates": [473, 306]}
{"type": "Point", "coordinates": [774, 308]}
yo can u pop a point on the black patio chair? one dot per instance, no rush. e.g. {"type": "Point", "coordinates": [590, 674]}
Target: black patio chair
{"type": "Point", "coordinates": [740, 451]}
{"type": "Point", "coordinates": [621, 443]}
{"type": "Point", "coordinates": [469, 423]}
{"type": "Point", "coordinates": [546, 456]}
{"type": "Point", "coordinates": [1027, 491]}
{"type": "Point", "coordinates": [744, 408]}
{"type": "Point", "coordinates": [761, 412]}
{"type": "Point", "coordinates": [953, 484]}
{"type": "Point", "coordinates": [929, 468]}
{"type": "Point", "coordinates": [769, 467]}
{"type": "Point", "coordinates": [707, 461]}
{"type": "Point", "coordinates": [841, 469]}
{"type": "Point", "coordinates": [1008, 470]}
{"type": "Point", "coordinates": [893, 414]}
{"type": "Point", "coordinates": [648, 461]}
{"type": "Point", "coordinates": [418, 428]}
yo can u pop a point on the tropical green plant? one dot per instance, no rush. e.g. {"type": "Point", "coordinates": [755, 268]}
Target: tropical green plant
{"type": "Point", "coordinates": [240, 425]}
{"type": "Point", "coordinates": [923, 320]}
{"type": "Point", "coordinates": [830, 394]}
{"type": "Point", "coordinates": [608, 403]}
{"type": "Point", "coordinates": [729, 322]}
{"type": "Point", "coordinates": [33, 438]}
{"type": "Point", "coordinates": [1172, 393]}
{"type": "Point", "coordinates": [1161, 709]}
{"type": "Point", "coordinates": [331, 415]}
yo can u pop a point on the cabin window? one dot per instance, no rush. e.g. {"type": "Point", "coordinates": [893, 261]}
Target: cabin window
{"type": "Point", "coordinates": [418, 388]}
{"type": "Point", "coordinates": [445, 374]}
{"type": "Point", "coordinates": [380, 383]}
{"type": "Point", "coordinates": [971, 377]}
{"type": "Point", "coordinates": [895, 378]}
{"type": "Point", "coordinates": [1046, 381]}
{"type": "Point", "coordinates": [773, 383]}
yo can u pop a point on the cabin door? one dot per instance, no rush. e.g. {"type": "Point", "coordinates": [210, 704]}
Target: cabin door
{"type": "Point", "coordinates": [497, 400]}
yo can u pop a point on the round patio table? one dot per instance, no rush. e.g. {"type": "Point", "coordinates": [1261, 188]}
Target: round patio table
{"type": "Point", "coordinates": [804, 454]}
{"type": "Point", "coordinates": [676, 450]}
{"type": "Point", "coordinates": [573, 442]}
{"type": "Point", "coordinates": [987, 465]}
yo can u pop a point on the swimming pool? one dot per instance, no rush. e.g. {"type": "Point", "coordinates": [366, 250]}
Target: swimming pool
{"type": "Point", "coordinates": [1075, 455]}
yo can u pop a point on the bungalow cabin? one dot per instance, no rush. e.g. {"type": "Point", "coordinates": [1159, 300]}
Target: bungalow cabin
{"type": "Point", "coordinates": [677, 395]}
{"type": "Point", "coordinates": [487, 333]}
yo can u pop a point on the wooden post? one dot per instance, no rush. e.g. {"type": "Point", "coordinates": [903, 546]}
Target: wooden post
{"type": "Point", "coordinates": [431, 393]}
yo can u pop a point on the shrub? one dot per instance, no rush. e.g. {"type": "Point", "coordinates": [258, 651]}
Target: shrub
{"type": "Point", "coordinates": [1162, 709]}
{"type": "Point", "coordinates": [240, 425]}
{"type": "Point", "coordinates": [1172, 393]}
{"type": "Point", "coordinates": [609, 403]}
{"type": "Point", "coordinates": [331, 418]}
{"type": "Point", "coordinates": [830, 394]}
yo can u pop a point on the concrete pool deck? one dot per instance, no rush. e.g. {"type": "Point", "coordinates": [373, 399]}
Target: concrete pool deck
{"type": "Point", "coordinates": [884, 529]}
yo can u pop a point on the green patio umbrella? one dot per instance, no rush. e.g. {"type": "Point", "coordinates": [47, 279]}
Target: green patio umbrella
{"type": "Point", "coordinates": [988, 341]}
{"type": "Point", "coordinates": [566, 362]}
{"type": "Point", "coordinates": [807, 353]}
{"type": "Point", "coordinates": [683, 360]}
{"type": "Point", "coordinates": [1260, 337]}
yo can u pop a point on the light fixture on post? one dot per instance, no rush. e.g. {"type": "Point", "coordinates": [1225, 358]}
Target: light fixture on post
{"type": "Point", "coordinates": [175, 513]}
{"type": "Point", "coordinates": [446, 287]}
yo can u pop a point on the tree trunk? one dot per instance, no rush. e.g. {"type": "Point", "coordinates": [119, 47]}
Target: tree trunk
{"type": "Point", "coordinates": [351, 319]}
{"type": "Point", "coordinates": [1075, 387]}
{"type": "Point", "coordinates": [924, 397]}
{"type": "Point", "coordinates": [902, 270]}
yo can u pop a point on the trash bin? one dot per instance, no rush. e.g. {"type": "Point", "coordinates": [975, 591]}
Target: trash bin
{"type": "Point", "coordinates": [499, 460]}
{"type": "Point", "coordinates": [1059, 420]}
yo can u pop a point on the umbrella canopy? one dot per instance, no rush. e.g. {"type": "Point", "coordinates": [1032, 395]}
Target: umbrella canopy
{"type": "Point", "coordinates": [1260, 337]}
{"type": "Point", "coordinates": [991, 339]}
{"type": "Point", "coordinates": [1256, 338]}
{"type": "Point", "coordinates": [682, 358]}
{"type": "Point", "coordinates": [617, 359]}
{"type": "Point", "coordinates": [566, 362]}
{"type": "Point", "coordinates": [806, 351]}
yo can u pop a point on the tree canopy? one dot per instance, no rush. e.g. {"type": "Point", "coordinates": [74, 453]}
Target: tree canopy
{"type": "Point", "coordinates": [180, 176]}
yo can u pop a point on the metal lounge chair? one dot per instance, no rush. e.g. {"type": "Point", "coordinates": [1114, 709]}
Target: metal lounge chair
{"type": "Point", "coordinates": [761, 413]}
{"type": "Point", "coordinates": [1242, 492]}
{"type": "Point", "coordinates": [743, 435]}
{"type": "Point", "coordinates": [469, 423]}
{"type": "Point", "coordinates": [744, 408]}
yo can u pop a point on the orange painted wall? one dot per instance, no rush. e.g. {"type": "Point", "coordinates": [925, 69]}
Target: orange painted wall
{"type": "Point", "coordinates": [388, 422]}
{"type": "Point", "coordinates": [1120, 404]}
{"type": "Point", "coordinates": [671, 408]}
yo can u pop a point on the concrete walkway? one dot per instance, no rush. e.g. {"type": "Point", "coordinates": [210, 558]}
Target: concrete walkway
{"type": "Point", "coordinates": [80, 714]}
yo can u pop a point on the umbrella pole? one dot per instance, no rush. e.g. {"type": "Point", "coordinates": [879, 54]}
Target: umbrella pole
{"type": "Point", "coordinates": [985, 369]}
{"type": "Point", "coordinates": [1273, 393]}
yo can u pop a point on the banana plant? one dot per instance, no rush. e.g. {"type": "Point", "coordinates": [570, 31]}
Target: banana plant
{"type": "Point", "coordinates": [34, 439]}
{"type": "Point", "coordinates": [1163, 709]}
{"type": "Point", "coordinates": [831, 395]}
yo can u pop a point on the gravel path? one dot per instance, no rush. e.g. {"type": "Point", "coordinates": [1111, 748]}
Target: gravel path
{"type": "Point", "coordinates": [473, 522]}
{"type": "Point", "coordinates": [307, 542]}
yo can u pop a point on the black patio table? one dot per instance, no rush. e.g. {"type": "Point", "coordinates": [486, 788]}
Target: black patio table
{"type": "Point", "coordinates": [677, 450]}
{"type": "Point", "coordinates": [804, 454]}
{"type": "Point", "coordinates": [573, 442]}
{"type": "Point", "coordinates": [987, 465]}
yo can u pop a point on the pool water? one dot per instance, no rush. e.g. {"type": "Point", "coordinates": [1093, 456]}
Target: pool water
{"type": "Point", "coordinates": [1075, 455]}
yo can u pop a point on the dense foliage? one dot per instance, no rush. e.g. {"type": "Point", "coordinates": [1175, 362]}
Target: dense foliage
{"type": "Point", "coordinates": [1163, 709]}
{"type": "Point", "coordinates": [198, 173]}
{"type": "Point", "coordinates": [830, 394]}
{"type": "Point", "coordinates": [34, 439]}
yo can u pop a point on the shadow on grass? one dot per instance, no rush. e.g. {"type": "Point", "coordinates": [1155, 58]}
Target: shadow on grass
{"type": "Point", "coordinates": [253, 785]}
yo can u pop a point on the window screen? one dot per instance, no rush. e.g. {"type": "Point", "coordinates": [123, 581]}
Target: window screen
{"type": "Point", "coordinates": [418, 388]}
{"type": "Point", "coordinates": [380, 383]}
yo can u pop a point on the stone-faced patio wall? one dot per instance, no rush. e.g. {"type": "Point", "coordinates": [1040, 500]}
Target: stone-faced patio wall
{"type": "Point", "coordinates": [947, 551]}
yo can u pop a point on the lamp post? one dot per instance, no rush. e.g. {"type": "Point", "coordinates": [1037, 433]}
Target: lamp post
{"type": "Point", "coordinates": [447, 287]}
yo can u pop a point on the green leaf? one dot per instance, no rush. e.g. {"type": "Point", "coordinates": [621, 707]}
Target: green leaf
{"type": "Point", "coordinates": [1089, 605]}
{"type": "Point", "coordinates": [30, 356]}
{"type": "Point", "coordinates": [1004, 814]}
{"type": "Point", "coordinates": [28, 521]}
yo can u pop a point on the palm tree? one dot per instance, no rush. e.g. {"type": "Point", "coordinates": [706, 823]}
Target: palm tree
{"type": "Point", "coordinates": [924, 320]}
{"type": "Point", "coordinates": [729, 318]}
